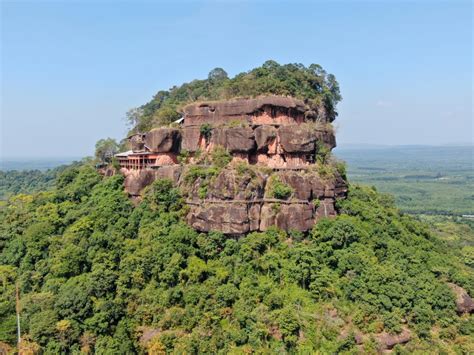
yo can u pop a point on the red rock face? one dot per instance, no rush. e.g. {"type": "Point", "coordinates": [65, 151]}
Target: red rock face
{"type": "Point", "coordinates": [253, 190]}
{"type": "Point", "coordinates": [272, 136]}
{"type": "Point", "coordinates": [163, 140]}
{"type": "Point", "coordinates": [464, 303]}
{"type": "Point", "coordinates": [261, 110]}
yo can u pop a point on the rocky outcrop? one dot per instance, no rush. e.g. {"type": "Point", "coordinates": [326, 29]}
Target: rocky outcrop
{"type": "Point", "coordinates": [137, 180]}
{"type": "Point", "coordinates": [296, 139]}
{"type": "Point", "coordinates": [464, 303]}
{"type": "Point", "coordinates": [387, 341]}
{"type": "Point", "coordinates": [229, 219]}
{"type": "Point", "coordinates": [246, 199]}
{"type": "Point", "coordinates": [191, 139]}
{"type": "Point", "coordinates": [237, 139]}
{"type": "Point", "coordinates": [137, 142]}
{"type": "Point", "coordinates": [247, 110]}
{"type": "Point", "coordinates": [265, 136]}
{"type": "Point", "coordinates": [269, 138]}
{"type": "Point", "coordinates": [163, 140]}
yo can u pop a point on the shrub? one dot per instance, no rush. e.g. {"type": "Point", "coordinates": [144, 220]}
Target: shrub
{"type": "Point", "coordinates": [236, 123]}
{"type": "Point", "coordinates": [202, 192]}
{"type": "Point", "coordinates": [206, 131]}
{"type": "Point", "coordinates": [276, 207]}
{"type": "Point", "coordinates": [278, 189]}
{"type": "Point", "coordinates": [242, 168]}
{"type": "Point", "coordinates": [196, 172]}
{"type": "Point", "coordinates": [183, 157]}
{"type": "Point", "coordinates": [163, 195]}
{"type": "Point", "coordinates": [221, 157]}
{"type": "Point", "coordinates": [341, 169]}
{"type": "Point", "coordinates": [322, 153]}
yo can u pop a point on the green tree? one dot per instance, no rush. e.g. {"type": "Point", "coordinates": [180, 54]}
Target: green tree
{"type": "Point", "coordinates": [105, 149]}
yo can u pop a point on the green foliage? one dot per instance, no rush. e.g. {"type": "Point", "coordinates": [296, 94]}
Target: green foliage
{"type": "Point", "coordinates": [96, 272]}
{"type": "Point", "coordinates": [206, 131]}
{"type": "Point", "coordinates": [183, 156]}
{"type": "Point", "coordinates": [316, 203]}
{"type": "Point", "coordinates": [105, 149]}
{"type": "Point", "coordinates": [341, 169]}
{"type": "Point", "coordinates": [323, 152]}
{"type": "Point", "coordinates": [15, 182]}
{"type": "Point", "coordinates": [195, 172]}
{"type": "Point", "coordinates": [311, 83]}
{"type": "Point", "coordinates": [220, 157]}
{"type": "Point", "coordinates": [163, 196]}
{"type": "Point", "coordinates": [278, 189]}
{"type": "Point", "coordinates": [166, 115]}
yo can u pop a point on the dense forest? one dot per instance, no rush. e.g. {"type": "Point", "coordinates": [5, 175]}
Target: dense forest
{"type": "Point", "coordinates": [318, 88]}
{"type": "Point", "coordinates": [13, 182]}
{"type": "Point", "coordinates": [97, 274]}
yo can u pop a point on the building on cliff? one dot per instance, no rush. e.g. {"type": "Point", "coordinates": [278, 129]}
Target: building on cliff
{"type": "Point", "coordinates": [270, 141]}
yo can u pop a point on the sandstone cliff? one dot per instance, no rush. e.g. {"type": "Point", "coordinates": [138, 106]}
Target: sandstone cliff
{"type": "Point", "coordinates": [242, 165]}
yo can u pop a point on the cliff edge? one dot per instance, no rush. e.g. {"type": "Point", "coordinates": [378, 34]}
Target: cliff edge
{"type": "Point", "coordinates": [242, 165]}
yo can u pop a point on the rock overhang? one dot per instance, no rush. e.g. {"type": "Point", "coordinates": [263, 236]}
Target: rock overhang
{"type": "Point", "coordinates": [276, 133]}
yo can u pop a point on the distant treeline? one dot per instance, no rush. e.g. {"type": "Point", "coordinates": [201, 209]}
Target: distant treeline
{"type": "Point", "coordinates": [15, 182]}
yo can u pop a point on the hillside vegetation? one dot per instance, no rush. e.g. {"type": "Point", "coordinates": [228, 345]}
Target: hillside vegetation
{"type": "Point", "coordinates": [312, 83]}
{"type": "Point", "coordinates": [27, 181]}
{"type": "Point", "coordinates": [97, 274]}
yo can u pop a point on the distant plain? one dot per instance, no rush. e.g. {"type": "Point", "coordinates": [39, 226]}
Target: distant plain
{"type": "Point", "coordinates": [429, 180]}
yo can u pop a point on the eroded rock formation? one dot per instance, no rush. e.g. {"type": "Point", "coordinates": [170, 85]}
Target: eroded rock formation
{"type": "Point", "coordinates": [242, 165]}
{"type": "Point", "coordinates": [464, 303]}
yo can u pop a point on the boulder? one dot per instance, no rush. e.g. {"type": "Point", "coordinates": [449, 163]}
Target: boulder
{"type": "Point", "coordinates": [325, 208]}
{"type": "Point", "coordinates": [318, 187]}
{"type": "Point", "coordinates": [171, 172]}
{"type": "Point", "coordinates": [340, 187]}
{"type": "Point", "coordinates": [254, 217]}
{"type": "Point", "coordinates": [300, 184]}
{"type": "Point", "coordinates": [229, 218]}
{"type": "Point", "coordinates": [264, 136]}
{"type": "Point", "coordinates": [137, 180]}
{"type": "Point", "coordinates": [250, 186]}
{"type": "Point", "coordinates": [286, 216]}
{"type": "Point", "coordinates": [236, 139]}
{"type": "Point", "coordinates": [190, 139]}
{"type": "Point", "coordinates": [388, 341]}
{"type": "Point", "coordinates": [223, 187]}
{"type": "Point", "coordinates": [219, 112]}
{"type": "Point", "coordinates": [309, 186]}
{"type": "Point", "coordinates": [296, 139]}
{"type": "Point", "coordinates": [326, 137]}
{"type": "Point", "coordinates": [231, 185]}
{"type": "Point", "coordinates": [295, 217]}
{"type": "Point", "coordinates": [464, 303]}
{"type": "Point", "coordinates": [268, 214]}
{"type": "Point", "coordinates": [163, 140]}
{"type": "Point", "coordinates": [137, 142]}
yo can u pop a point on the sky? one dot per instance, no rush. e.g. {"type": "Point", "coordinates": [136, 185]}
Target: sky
{"type": "Point", "coordinates": [71, 70]}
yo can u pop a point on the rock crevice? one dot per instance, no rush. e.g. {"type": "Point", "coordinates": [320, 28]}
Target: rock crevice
{"type": "Point", "coordinates": [275, 152]}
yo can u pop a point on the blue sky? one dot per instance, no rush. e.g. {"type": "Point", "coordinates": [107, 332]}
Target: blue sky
{"type": "Point", "coordinates": [70, 70]}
